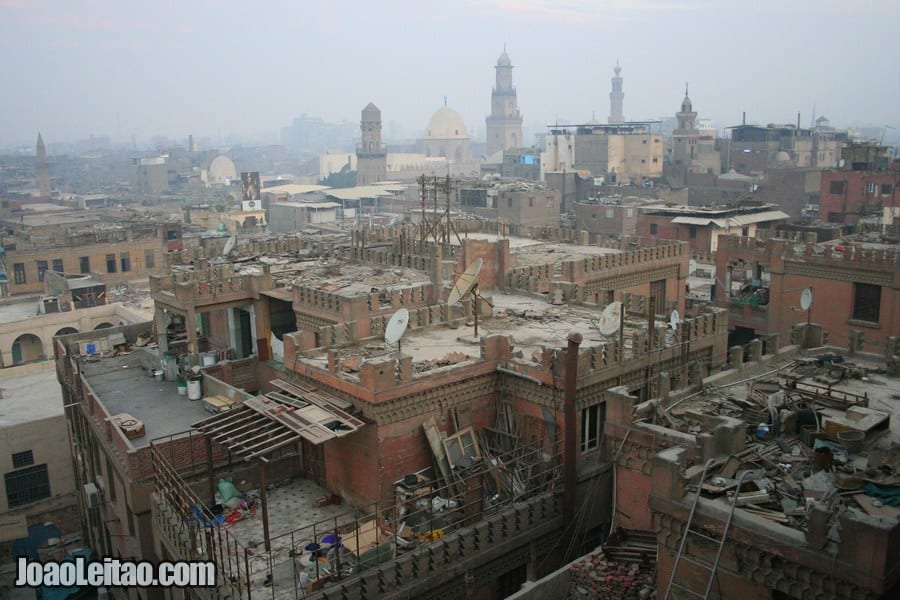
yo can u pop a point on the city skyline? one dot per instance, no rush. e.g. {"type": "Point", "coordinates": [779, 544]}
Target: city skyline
{"type": "Point", "coordinates": [214, 70]}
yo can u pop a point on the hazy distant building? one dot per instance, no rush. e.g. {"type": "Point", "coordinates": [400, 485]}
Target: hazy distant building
{"type": "Point", "coordinates": [616, 97]}
{"type": "Point", "coordinates": [316, 136]}
{"type": "Point", "coordinates": [753, 149]}
{"type": "Point", "coordinates": [221, 170]}
{"type": "Point", "coordinates": [504, 125]}
{"type": "Point", "coordinates": [446, 136]}
{"type": "Point", "coordinates": [627, 152]}
{"type": "Point", "coordinates": [150, 175]}
{"type": "Point", "coordinates": [42, 173]}
{"type": "Point", "coordinates": [371, 154]}
{"type": "Point", "coordinates": [693, 149]}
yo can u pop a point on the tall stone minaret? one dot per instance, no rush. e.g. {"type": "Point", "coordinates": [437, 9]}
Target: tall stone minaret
{"type": "Point", "coordinates": [616, 96]}
{"type": "Point", "coordinates": [504, 125]}
{"type": "Point", "coordinates": [41, 172]}
{"type": "Point", "coordinates": [371, 156]}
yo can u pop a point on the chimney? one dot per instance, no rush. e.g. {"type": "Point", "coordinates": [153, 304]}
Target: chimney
{"type": "Point", "coordinates": [798, 119]}
{"type": "Point", "coordinates": [744, 120]}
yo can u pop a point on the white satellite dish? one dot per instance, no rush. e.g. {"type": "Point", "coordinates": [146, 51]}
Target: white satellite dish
{"type": "Point", "coordinates": [229, 246]}
{"type": "Point", "coordinates": [674, 319]}
{"type": "Point", "coordinates": [466, 282]}
{"type": "Point", "coordinates": [396, 326]}
{"type": "Point", "coordinates": [609, 318]}
{"type": "Point", "coordinates": [806, 299]}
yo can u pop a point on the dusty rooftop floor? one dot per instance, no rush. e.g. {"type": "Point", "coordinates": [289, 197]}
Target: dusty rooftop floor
{"type": "Point", "coordinates": [31, 397]}
{"type": "Point", "coordinates": [125, 387]}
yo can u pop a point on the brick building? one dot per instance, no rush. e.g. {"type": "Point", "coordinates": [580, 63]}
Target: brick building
{"type": "Point", "coordinates": [613, 217]}
{"type": "Point", "coordinates": [702, 226]}
{"type": "Point", "coordinates": [116, 247]}
{"type": "Point", "coordinates": [854, 282]}
{"type": "Point", "coordinates": [314, 331]}
{"type": "Point", "coordinates": [863, 191]}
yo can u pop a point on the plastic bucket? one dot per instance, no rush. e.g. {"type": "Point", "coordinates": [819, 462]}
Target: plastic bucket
{"type": "Point", "coordinates": [195, 389]}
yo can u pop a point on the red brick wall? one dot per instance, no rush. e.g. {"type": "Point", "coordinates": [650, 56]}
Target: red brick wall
{"type": "Point", "coordinates": [855, 194]}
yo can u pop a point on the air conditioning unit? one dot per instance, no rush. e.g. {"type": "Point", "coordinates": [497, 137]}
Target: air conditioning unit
{"type": "Point", "coordinates": [92, 495]}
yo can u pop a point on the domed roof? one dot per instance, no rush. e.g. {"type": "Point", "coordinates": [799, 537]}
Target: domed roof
{"type": "Point", "coordinates": [221, 168]}
{"type": "Point", "coordinates": [446, 124]}
{"type": "Point", "coordinates": [504, 61]}
{"type": "Point", "coordinates": [783, 156]}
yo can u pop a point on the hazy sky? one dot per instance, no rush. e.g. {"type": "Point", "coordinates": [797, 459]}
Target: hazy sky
{"type": "Point", "coordinates": [70, 69]}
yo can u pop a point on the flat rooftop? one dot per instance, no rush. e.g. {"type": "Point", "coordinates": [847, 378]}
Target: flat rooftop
{"type": "Point", "coordinates": [124, 386]}
{"type": "Point", "coordinates": [18, 310]}
{"type": "Point", "coordinates": [532, 323]}
{"type": "Point", "coordinates": [26, 398]}
{"type": "Point", "coordinates": [542, 253]}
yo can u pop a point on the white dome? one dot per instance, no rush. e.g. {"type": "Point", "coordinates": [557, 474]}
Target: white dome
{"type": "Point", "coordinates": [783, 156]}
{"type": "Point", "coordinates": [446, 124]}
{"type": "Point", "coordinates": [221, 168]}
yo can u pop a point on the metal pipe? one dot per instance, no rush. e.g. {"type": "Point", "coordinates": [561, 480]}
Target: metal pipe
{"type": "Point", "coordinates": [517, 374]}
{"type": "Point", "coordinates": [571, 389]}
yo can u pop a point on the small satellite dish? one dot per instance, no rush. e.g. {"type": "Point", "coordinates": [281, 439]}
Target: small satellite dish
{"type": "Point", "coordinates": [674, 319]}
{"type": "Point", "coordinates": [229, 246]}
{"type": "Point", "coordinates": [806, 299]}
{"type": "Point", "coordinates": [465, 283]}
{"type": "Point", "coordinates": [396, 326]}
{"type": "Point", "coordinates": [609, 318]}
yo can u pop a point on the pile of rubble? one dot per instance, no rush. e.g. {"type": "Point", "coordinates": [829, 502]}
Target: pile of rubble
{"type": "Point", "coordinates": [623, 569]}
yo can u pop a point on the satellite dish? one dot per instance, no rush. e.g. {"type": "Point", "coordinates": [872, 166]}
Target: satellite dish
{"type": "Point", "coordinates": [229, 246]}
{"type": "Point", "coordinates": [806, 299]}
{"type": "Point", "coordinates": [609, 318]}
{"type": "Point", "coordinates": [465, 283]}
{"type": "Point", "coordinates": [674, 319]}
{"type": "Point", "coordinates": [396, 326]}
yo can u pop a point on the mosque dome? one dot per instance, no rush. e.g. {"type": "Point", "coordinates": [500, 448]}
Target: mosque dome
{"type": "Point", "coordinates": [221, 168]}
{"type": "Point", "coordinates": [446, 124]}
{"type": "Point", "coordinates": [783, 156]}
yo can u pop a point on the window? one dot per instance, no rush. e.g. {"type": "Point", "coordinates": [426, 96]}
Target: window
{"type": "Point", "coordinates": [610, 213]}
{"type": "Point", "coordinates": [591, 426]}
{"type": "Point", "coordinates": [110, 263]}
{"type": "Point", "coordinates": [866, 302]}
{"type": "Point", "coordinates": [629, 212]}
{"type": "Point", "coordinates": [111, 478]}
{"type": "Point", "coordinates": [172, 234]}
{"type": "Point", "coordinates": [656, 160]}
{"type": "Point", "coordinates": [41, 269]}
{"type": "Point", "coordinates": [872, 187]}
{"type": "Point", "coordinates": [654, 228]}
{"type": "Point", "coordinates": [509, 203]}
{"type": "Point", "coordinates": [28, 485]}
{"type": "Point", "coordinates": [886, 189]}
{"type": "Point", "coordinates": [149, 259]}
{"type": "Point", "coordinates": [593, 215]}
{"type": "Point", "coordinates": [693, 232]}
{"type": "Point", "coordinates": [643, 161]}
{"type": "Point", "coordinates": [19, 273]}
{"type": "Point", "coordinates": [84, 264]}
{"type": "Point", "coordinates": [836, 187]}
{"type": "Point", "coordinates": [22, 459]}
{"type": "Point", "coordinates": [125, 259]}
{"type": "Point", "coordinates": [58, 265]}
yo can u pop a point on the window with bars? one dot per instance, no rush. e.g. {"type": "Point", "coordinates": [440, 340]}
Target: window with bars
{"type": "Point", "coordinates": [28, 485]}
{"type": "Point", "coordinates": [22, 459]}
{"type": "Point", "coordinates": [125, 259]}
{"type": "Point", "coordinates": [19, 273]}
{"type": "Point", "coordinates": [592, 419]}
{"type": "Point", "coordinates": [41, 269]}
{"type": "Point", "coordinates": [58, 265]}
{"type": "Point", "coordinates": [866, 302]}
{"type": "Point", "coordinates": [84, 264]}
{"type": "Point", "coordinates": [110, 263]}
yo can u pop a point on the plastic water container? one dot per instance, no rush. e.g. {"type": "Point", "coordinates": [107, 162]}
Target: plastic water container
{"type": "Point", "coordinates": [91, 348]}
{"type": "Point", "coordinates": [195, 388]}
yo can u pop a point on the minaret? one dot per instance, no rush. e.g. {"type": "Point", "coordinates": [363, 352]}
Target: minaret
{"type": "Point", "coordinates": [504, 125]}
{"type": "Point", "coordinates": [685, 136]}
{"type": "Point", "coordinates": [371, 156]}
{"type": "Point", "coordinates": [616, 96]}
{"type": "Point", "coordinates": [42, 174]}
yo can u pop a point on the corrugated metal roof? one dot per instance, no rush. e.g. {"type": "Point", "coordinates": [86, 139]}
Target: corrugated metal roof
{"type": "Point", "coordinates": [735, 221]}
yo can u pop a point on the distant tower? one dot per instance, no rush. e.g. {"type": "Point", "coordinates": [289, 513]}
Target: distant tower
{"type": "Point", "coordinates": [616, 96]}
{"type": "Point", "coordinates": [504, 126]}
{"type": "Point", "coordinates": [41, 171]}
{"type": "Point", "coordinates": [685, 136]}
{"type": "Point", "coordinates": [371, 156]}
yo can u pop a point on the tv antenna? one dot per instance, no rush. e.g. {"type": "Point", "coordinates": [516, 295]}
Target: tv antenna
{"type": "Point", "coordinates": [396, 327]}
{"type": "Point", "coordinates": [468, 283]}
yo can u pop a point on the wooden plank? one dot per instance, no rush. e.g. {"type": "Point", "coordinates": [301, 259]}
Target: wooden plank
{"type": "Point", "coordinates": [328, 402]}
{"type": "Point", "coordinates": [436, 441]}
{"type": "Point", "coordinates": [295, 422]}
